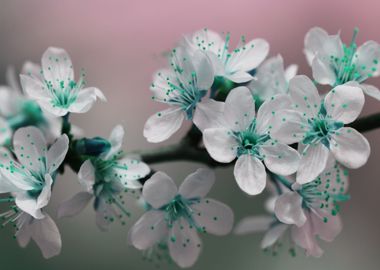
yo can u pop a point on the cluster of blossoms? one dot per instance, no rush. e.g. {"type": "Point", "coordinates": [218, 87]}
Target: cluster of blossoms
{"type": "Point", "coordinates": [273, 125]}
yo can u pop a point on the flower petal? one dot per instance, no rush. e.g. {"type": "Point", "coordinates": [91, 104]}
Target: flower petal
{"type": "Point", "coordinates": [130, 170]}
{"type": "Point", "coordinates": [86, 99]}
{"type": "Point", "coordinates": [249, 56]}
{"type": "Point", "coordinates": [253, 224]}
{"type": "Point", "coordinates": [239, 110]}
{"type": "Point", "coordinates": [323, 73]}
{"type": "Point", "coordinates": [213, 217]}
{"type": "Point", "coordinates": [116, 141]}
{"type": "Point", "coordinates": [313, 162]}
{"type": "Point", "coordinates": [370, 90]}
{"type": "Point", "coordinates": [220, 144]}
{"type": "Point", "coordinates": [350, 148]}
{"type": "Point", "coordinates": [184, 244]}
{"type": "Point", "coordinates": [75, 205]}
{"type": "Point", "coordinates": [204, 70]}
{"type": "Point", "coordinates": [280, 158]}
{"type": "Point", "coordinates": [288, 126]}
{"type": "Point", "coordinates": [314, 41]}
{"type": "Point", "coordinates": [57, 153]}
{"type": "Point", "coordinates": [367, 60]}
{"type": "Point", "coordinates": [28, 205]}
{"type": "Point", "coordinates": [250, 174]}
{"type": "Point", "coordinates": [46, 235]}
{"type": "Point", "coordinates": [209, 114]}
{"type": "Point", "coordinates": [288, 209]}
{"type": "Point", "coordinates": [57, 66]}
{"type": "Point", "coordinates": [304, 95]}
{"type": "Point", "coordinates": [344, 103]}
{"type": "Point", "coordinates": [150, 229]}
{"type": "Point", "coordinates": [327, 231]}
{"type": "Point", "coordinates": [163, 125]}
{"type": "Point", "coordinates": [197, 184]}
{"type": "Point", "coordinates": [30, 148]}
{"type": "Point", "coordinates": [86, 175]}
{"type": "Point", "coordinates": [267, 111]}
{"type": "Point", "coordinates": [273, 235]}
{"type": "Point", "coordinates": [291, 72]}
{"type": "Point", "coordinates": [239, 76]}
{"type": "Point", "coordinates": [159, 190]}
{"type": "Point", "coordinates": [44, 197]}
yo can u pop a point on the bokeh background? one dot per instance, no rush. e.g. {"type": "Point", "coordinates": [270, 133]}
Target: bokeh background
{"type": "Point", "coordinates": [120, 44]}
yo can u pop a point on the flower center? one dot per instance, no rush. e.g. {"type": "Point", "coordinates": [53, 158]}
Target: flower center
{"type": "Point", "coordinates": [178, 208]}
{"type": "Point", "coordinates": [250, 142]}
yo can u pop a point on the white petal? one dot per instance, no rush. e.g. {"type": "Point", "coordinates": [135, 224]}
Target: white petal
{"type": "Point", "coordinates": [197, 184]}
{"type": "Point", "coordinates": [288, 126]}
{"type": "Point", "coordinates": [57, 153]}
{"type": "Point", "coordinates": [304, 237]}
{"type": "Point", "coordinates": [5, 131]}
{"type": "Point", "coordinates": [214, 217]}
{"type": "Point", "coordinates": [350, 148]}
{"type": "Point", "coordinates": [44, 197]}
{"type": "Point", "coordinates": [280, 158]}
{"type": "Point", "coordinates": [116, 141]}
{"type": "Point", "coordinates": [239, 110]}
{"type": "Point", "coordinates": [28, 205]}
{"type": "Point", "coordinates": [273, 235]}
{"type": "Point", "coordinates": [163, 125]}
{"type": "Point", "coordinates": [370, 90]}
{"type": "Point", "coordinates": [86, 99]}
{"type": "Point", "coordinates": [159, 190]}
{"type": "Point", "coordinates": [209, 114]}
{"type": "Point", "coordinates": [30, 148]}
{"type": "Point", "coordinates": [253, 225]}
{"type": "Point", "coordinates": [288, 209]}
{"type": "Point", "coordinates": [86, 175]}
{"type": "Point", "coordinates": [130, 170]}
{"type": "Point", "coordinates": [323, 73]}
{"type": "Point", "coordinates": [267, 111]}
{"type": "Point", "coordinates": [336, 176]}
{"type": "Point", "coordinates": [314, 41]}
{"type": "Point", "coordinates": [184, 244]}
{"type": "Point", "coordinates": [35, 88]}
{"type": "Point", "coordinates": [208, 40]}
{"type": "Point", "coordinates": [75, 205]}
{"type": "Point", "coordinates": [239, 76]}
{"type": "Point", "coordinates": [249, 56]}
{"type": "Point", "coordinates": [32, 69]}
{"type": "Point", "coordinates": [57, 66]}
{"type": "Point", "coordinates": [24, 233]}
{"type": "Point", "coordinates": [344, 103]}
{"type": "Point", "coordinates": [47, 237]}
{"type": "Point", "coordinates": [291, 72]}
{"type": "Point", "coordinates": [368, 56]}
{"type": "Point", "coordinates": [220, 144]}
{"type": "Point", "coordinates": [304, 95]}
{"type": "Point", "coordinates": [327, 231]}
{"type": "Point", "coordinates": [204, 70]}
{"type": "Point", "coordinates": [313, 162]}
{"type": "Point", "coordinates": [250, 174]}
{"type": "Point", "coordinates": [149, 230]}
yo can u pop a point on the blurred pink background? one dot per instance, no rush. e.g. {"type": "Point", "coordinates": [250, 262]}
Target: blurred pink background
{"type": "Point", "coordinates": [120, 44]}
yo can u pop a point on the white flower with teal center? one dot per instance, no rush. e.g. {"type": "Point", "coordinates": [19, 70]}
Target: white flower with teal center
{"type": "Point", "coordinates": [31, 175]}
{"type": "Point", "coordinates": [245, 136]}
{"type": "Point", "coordinates": [176, 216]}
{"type": "Point", "coordinates": [317, 124]}
{"type": "Point", "coordinates": [335, 63]}
{"type": "Point", "coordinates": [234, 65]}
{"type": "Point", "coordinates": [55, 90]}
{"type": "Point", "coordinates": [104, 178]}
{"type": "Point", "coordinates": [306, 212]}
{"type": "Point", "coordinates": [271, 79]}
{"type": "Point", "coordinates": [183, 88]}
{"type": "Point", "coordinates": [44, 232]}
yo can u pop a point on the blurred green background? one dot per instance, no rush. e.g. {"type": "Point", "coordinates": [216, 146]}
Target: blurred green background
{"type": "Point", "coordinates": [120, 44]}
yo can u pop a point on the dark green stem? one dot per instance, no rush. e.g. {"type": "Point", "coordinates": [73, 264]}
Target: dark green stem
{"type": "Point", "coordinates": [367, 123]}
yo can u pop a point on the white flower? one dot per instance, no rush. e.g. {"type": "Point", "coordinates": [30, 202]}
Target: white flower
{"type": "Point", "coordinates": [245, 136]}
{"type": "Point", "coordinates": [18, 110]}
{"type": "Point", "coordinates": [233, 65]}
{"type": "Point", "coordinates": [31, 176]}
{"type": "Point", "coordinates": [176, 216]}
{"type": "Point", "coordinates": [271, 79]}
{"type": "Point", "coordinates": [43, 231]}
{"type": "Point", "coordinates": [305, 213]}
{"type": "Point", "coordinates": [317, 124]}
{"type": "Point", "coordinates": [104, 178]}
{"type": "Point", "coordinates": [335, 63]}
{"type": "Point", "coordinates": [55, 90]}
{"type": "Point", "coordinates": [182, 87]}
